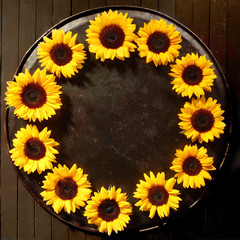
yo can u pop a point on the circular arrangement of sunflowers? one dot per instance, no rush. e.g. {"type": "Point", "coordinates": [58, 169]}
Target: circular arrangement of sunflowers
{"type": "Point", "coordinates": [36, 97]}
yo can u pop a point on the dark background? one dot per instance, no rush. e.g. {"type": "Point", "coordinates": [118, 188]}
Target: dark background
{"type": "Point", "coordinates": [216, 22]}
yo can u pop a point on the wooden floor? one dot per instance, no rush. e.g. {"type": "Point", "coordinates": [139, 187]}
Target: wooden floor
{"type": "Point", "coordinates": [217, 23]}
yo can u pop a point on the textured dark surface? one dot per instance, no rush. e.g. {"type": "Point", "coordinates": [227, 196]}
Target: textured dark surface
{"type": "Point", "coordinates": [217, 216]}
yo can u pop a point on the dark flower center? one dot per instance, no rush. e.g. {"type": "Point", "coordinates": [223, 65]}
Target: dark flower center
{"type": "Point", "coordinates": [158, 42]}
{"type": "Point", "coordinates": [66, 188]}
{"type": "Point", "coordinates": [108, 210]}
{"type": "Point", "coordinates": [34, 149]}
{"type": "Point", "coordinates": [191, 166]}
{"type": "Point", "coordinates": [192, 75]}
{"type": "Point", "coordinates": [158, 195]}
{"type": "Point", "coordinates": [112, 36]}
{"type": "Point", "coordinates": [202, 120]}
{"type": "Point", "coordinates": [33, 95]}
{"type": "Point", "coordinates": [61, 54]}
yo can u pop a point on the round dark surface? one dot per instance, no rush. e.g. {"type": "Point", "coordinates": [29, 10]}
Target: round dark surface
{"type": "Point", "coordinates": [119, 119]}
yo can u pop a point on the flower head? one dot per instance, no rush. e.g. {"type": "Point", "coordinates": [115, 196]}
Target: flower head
{"type": "Point", "coordinates": [33, 150]}
{"type": "Point", "coordinates": [158, 42]}
{"type": "Point", "coordinates": [202, 119]}
{"type": "Point", "coordinates": [157, 194]}
{"type": "Point", "coordinates": [66, 188]}
{"type": "Point", "coordinates": [61, 54]}
{"type": "Point", "coordinates": [111, 35]}
{"type": "Point", "coordinates": [34, 96]}
{"type": "Point", "coordinates": [109, 210]}
{"type": "Point", "coordinates": [192, 166]}
{"type": "Point", "coordinates": [192, 75]}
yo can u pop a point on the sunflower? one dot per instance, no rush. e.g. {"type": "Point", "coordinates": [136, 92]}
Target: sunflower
{"type": "Point", "coordinates": [111, 35]}
{"type": "Point", "coordinates": [61, 54]}
{"type": "Point", "coordinates": [192, 75]}
{"type": "Point", "coordinates": [202, 119]}
{"type": "Point", "coordinates": [33, 150]}
{"type": "Point", "coordinates": [64, 188]}
{"type": "Point", "coordinates": [157, 194]}
{"type": "Point", "coordinates": [192, 166]}
{"type": "Point", "coordinates": [34, 96]}
{"type": "Point", "coordinates": [109, 210]}
{"type": "Point", "coordinates": [158, 42]}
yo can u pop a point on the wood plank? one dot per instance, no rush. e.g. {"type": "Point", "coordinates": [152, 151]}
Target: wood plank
{"type": "Point", "coordinates": [201, 9]}
{"type": "Point", "coordinates": [214, 223]}
{"type": "Point", "coordinates": [196, 229]}
{"type": "Point", "coordinates": [43, 219]}
{"type": "Point", "coordinates": [25, 213]}
{"type": "Point", "coordinates": [0, 74]}
{"type": "Point", "coordinates": [1, 104]}
{"type": "Point", "coordinates": [79, 5]}
{"type": "Point", "coordinates": [218, 31]}
{"type": "Point", "coordinates": [26, 25]}
{"type": "Point", "coordinates": [43, 16]}
{"type": "Point", "coordinates": [162, 235]}
{"type": "Point", "coordinates": [168, 7]}
{"type": "Point", "coordinates": [61, 10]}
{"type": "Point", "coordinates": [179, 228]}
{"type": "Point", "coordinates": [124, 2]}
{"type": "Point", "coordinates": [43, 223]}
{"type": "Point", "coordinates": [59, 230]}
{"type": "Point", "coordinates": [152, 4]}
{"type": "Point", "coordinates": [1, 129]}
{"type": "Point", "coordinates": [25, 200]}
{"type": "Point", "coordinates": [229, 228]}
{"type": "Point", "coordinates": [231, 207]}
{"type": "Point", "coordinates": [75, 234]}
{"type": "Point", "coordinates": [97, 3]}
{"type": "Point", "coordinates": [93, 237]}
{"type": "Point", "coordinates": [184, 12]}
{"type": "Point", "coordinates": [233, 47]}
{"type": "Point", "coordinates": [9, 64]}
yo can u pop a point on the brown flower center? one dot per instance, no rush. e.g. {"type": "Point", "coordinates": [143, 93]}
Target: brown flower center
{"type": "Point", "coordinates": [202, 120]}
{"type": "Point", "coordinates": [33, 95]}
{"type": "Point", "coordinates": [158, 195]}
{"type": "Point", "coordinates": [191, 166]}
{"type": "Point", "coordinates": [66, 188]}
{"type": "Point", "coordinates": [192, 75]}
{"type": "Point", "coordinates": [61, 54]}
{"type": "Point", "coordinates": [34, 149]}
{"type": "Point", "coordinates": [112, 36]}
{"type": "Point", "coordinates": [158, 42]}
{"type": "Point", "coordinates": [108, 210]}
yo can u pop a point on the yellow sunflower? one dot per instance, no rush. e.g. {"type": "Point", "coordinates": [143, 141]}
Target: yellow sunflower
{"type": "Point", "coordinates": [34, 96]}
{"type": "Point", "coordinates": [192, 75]}
{"type": "Point", "coordinates": [111, 35]}
{"type": "Point", "coordinates": [157, 194]}
{"type": "Point", "coordinates": [202, 119]}
{"type": "Point", "coordinates": [158, 42]}
{"type": "Point", "coordinates": [192, 166]}
{"type": "Point", "coordinates": [109, 210]}
{"type": "Point", "coordinates": [66, 189]}
{"type": "Point", "coordinates": [61, 54]}
{"type": "Point", "coordinates": [33, 150]}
